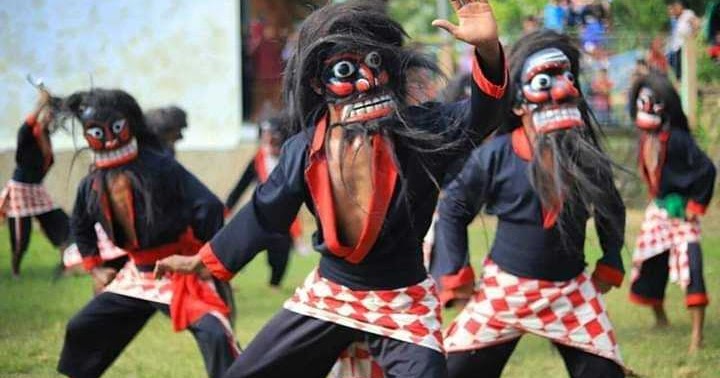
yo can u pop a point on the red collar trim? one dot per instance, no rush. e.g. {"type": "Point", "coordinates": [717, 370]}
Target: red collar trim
{"type": "Point", "coordinates": [317, 176]}
{"type": "Point", "coordinates": [521, 144]}
{"type": "Point", "coordinates": [260, 167]}
{"type": "Point", "coordinates": [653, 182]}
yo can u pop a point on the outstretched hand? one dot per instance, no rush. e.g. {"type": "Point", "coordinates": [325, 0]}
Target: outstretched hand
{"type": "Point", "coordinates": [477, 26]}
{"type": "Point", "coordinates": [178, 264]}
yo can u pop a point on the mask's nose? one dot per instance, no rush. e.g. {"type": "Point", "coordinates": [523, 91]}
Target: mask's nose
{"type": "Point", "coordinates": [563, 89]}
{"type": "Point", "coordinates": [367, 80]}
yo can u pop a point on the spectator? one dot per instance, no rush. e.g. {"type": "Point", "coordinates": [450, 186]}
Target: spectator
{"type": "Point", "coordinates": [593, 35]}
{"type": "Point", "coordinates": [601, 88]}
{"type": "Point", "coordinates": [554, 16]}
{"type": "Point", "coordinates": [714, 49]}
{"type": "Point", "coordinates": [656, 59]}
{"type": "Point", "coordinates": [685, 25]}
{"type": "Point", "coordinates": [530, 24]}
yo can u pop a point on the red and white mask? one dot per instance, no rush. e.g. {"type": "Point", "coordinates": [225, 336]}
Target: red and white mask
{"type": "Point", "coordinates": [109, 135]}
{"type": "Point", "coordinates": [355, 85]}
{"type": "Point", "coordinates": [649, 115]}
{"type": "Point", "coordinates": [549, 93]}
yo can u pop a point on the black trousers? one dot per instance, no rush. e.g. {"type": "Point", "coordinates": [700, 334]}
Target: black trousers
{"type": "Point", "coordinates": [278, 255]}
{"type": "Point", "coordinates": [55, 224]}
{"type": "Point", "coordinates": [97, 335]}
{"type": "Point", "coordinates": [294, 345]}
{"type": "Point", "coordinates": [651, 283]}
{"type": "Point", "coordinates": [489, 362]}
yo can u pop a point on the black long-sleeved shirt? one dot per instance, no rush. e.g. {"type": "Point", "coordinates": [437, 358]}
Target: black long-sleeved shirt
{"type": "Point", "coordinates": [684, 169]}
{"type": "Point", "coordinates": [395, 258]}
{"type": "Point", "coordinates": [496, 179]}
{"type": "Point", "coordinates": [178, 200]}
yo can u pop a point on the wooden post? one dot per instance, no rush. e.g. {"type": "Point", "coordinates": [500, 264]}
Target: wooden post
{"type": "Point", "coordinates": [689, 83]}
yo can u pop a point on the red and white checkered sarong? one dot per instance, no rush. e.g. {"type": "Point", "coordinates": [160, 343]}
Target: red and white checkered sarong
{"type": "Point", "coordinates": [106, 248]}
{"type": "Point", "coordinates": [19, 199]}
{"type": "Point", "coordinates": [504, 307]}
{"type": "Point", "coordinates": [659, 233]}
{"type": "Point", "coordinates": [411, 314]}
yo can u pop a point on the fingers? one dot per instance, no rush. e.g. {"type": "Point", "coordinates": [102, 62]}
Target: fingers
{"type": "Point", "coordinates": [457, 4]}
{"type": "Point", "coordinates": [445, 24]}
{"type": "Point", "coordinates": [159, 270]}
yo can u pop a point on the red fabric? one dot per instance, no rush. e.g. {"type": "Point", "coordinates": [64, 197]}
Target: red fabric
{"type": "Point", "coordinates": [637, 299]}
{"type": "Point", "coordinates": [492, 90]}
{"type": "Point", "coordinates": [696, 299]}
{"type": "Point", "coordinates": [653, 182]}
{"type": "Point", "coordinates": [608, 274]}
{"type": "Point", "coordinates": [91, 262]}
{"type": "Point", "coordinates": [317, 177]}
{"type": "Point", "coordinates": [260, 168]}
{"type": "Point", "coordinates": [464, 276]}
{"type": "Point", "coordinates": [191, 300]}
{"type": "Point", "coordinates": [186, 245]}
{"type": "Point", "coordinates": [696, 208]}
{"type": "Point", "coordinates": [213, 264]}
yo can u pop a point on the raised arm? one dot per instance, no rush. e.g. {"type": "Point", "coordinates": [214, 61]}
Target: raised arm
{"type": "Point", "coordinates": [477, 27]}
{"type": "Point", "coordinates": [273, 207]}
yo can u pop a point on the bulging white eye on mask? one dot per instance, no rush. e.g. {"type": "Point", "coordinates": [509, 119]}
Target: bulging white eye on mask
{"type": "Point", "coordinates": [118, 126]}
{"type": "Point", "coordinates": [95, 132]}
{"type": "Point", "coordinates": [541, 82]}
{"type": "Point", "coordinates": [373, 60]}
{"type": "Point", "coordinates": [343, 69]}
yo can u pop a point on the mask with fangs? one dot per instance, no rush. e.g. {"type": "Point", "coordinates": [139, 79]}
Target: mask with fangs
{"type": "Point", "coordinates": [548, 91]}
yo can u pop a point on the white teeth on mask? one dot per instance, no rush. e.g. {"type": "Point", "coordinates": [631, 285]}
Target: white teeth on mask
{"type": "Point", "coordinates": [367, 106]}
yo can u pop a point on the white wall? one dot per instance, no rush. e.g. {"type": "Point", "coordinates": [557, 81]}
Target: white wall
{"type": "Point", "coordinates": [160, 51]}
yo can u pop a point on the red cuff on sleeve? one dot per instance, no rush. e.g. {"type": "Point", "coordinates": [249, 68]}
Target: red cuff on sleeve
{"type": "Point", "coordinates": [463, 277]}
{"type": "Point", "coordinates": [695, 208]}
{"type": "Point", "coordinates": [214, 265]}
{"type": "Point", "coordinates": [608, 274]}
{"type": "Point", "coordinates": [31, 119]}
{"type": "Point", "coordinates": [226, 212]}
{"type": "Point", "coordinates": [91, 262]}
{"type": "Point", "coordinates": [492, 90]}
{"type": "Point", "coordinates": [696, 299]}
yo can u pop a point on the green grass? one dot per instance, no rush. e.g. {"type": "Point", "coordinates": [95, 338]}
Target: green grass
{"type": "Point", "coordinates": [34, 310]}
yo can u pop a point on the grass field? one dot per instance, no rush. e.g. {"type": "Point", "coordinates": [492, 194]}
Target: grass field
{"type": "Point", "coordinates": [34, 310]}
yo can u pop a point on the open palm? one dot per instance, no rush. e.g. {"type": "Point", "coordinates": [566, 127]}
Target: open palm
{"type": "Point", "coordinates": [477, 25]}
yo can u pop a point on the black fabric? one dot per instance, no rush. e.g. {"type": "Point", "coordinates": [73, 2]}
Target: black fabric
{"type": "Point", "coordinates": [278, 255]}
{"type": "Point", "coordinates": [97, 335]}
{"type": "Point", "coordinates": [54, 223]}
{"type": "Point", "coordinates": [395, 260]}
{"type": "Point", "coordinates": [248, 177]}
{"type": "Point", "coordinates": [495, 180]}
{"type": "Point", "coordinates": [489, 362]}
{"type": "Point", "coordinates": [178, 199]}
{"type": "Point", "coordinates": [687, 170]}
{"type": "Point", "coordinates": [654, 274]}
{"type": "Point", "coordinates": [29, 160]}
{"type": "Point", "coordinates": [294, 345]}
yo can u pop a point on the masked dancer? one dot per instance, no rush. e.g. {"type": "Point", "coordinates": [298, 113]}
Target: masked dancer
{"type": "Point", "coordinates": [24, 196]}
{"type": "Point", "coordinates": [543, 176]}
{"type": "Point", "coordinates": [680, 180]}
{"type": "Point", "coordinates": [152, 207]}
{"type": "Point", "coordinates": [367, 166]}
